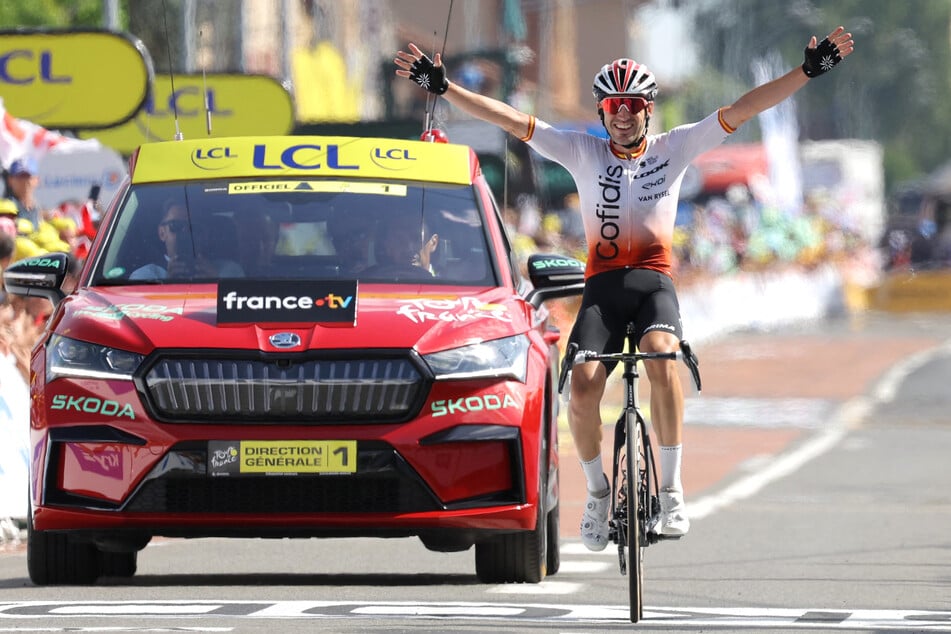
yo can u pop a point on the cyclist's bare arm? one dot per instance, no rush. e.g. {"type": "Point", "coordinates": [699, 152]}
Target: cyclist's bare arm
{"type": "Point", "coordinates": [773, 92]}
{"type": "Point", "coordinates": [488, 109]}
{"type": "Point", "coordinates": [479, 106]}
{"type": "Point", "coordinates": [763, 98]}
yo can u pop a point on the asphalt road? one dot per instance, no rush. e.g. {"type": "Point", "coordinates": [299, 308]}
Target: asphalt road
{"type": "Point", "coordinates": [827, 510]}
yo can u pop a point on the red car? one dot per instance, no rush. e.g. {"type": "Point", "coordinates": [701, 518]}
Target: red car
{"type": "Point", "coordinates": [296, 337]}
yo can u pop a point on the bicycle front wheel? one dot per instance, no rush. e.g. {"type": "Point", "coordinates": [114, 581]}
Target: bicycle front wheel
{"type": "Point", "coordinates": [635, 511]}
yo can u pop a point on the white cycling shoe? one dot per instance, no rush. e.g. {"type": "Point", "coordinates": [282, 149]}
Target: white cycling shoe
{"type": "Point", "coordinates": [673, 514]}
{"type": "Point", "coordinates": [594, 521]}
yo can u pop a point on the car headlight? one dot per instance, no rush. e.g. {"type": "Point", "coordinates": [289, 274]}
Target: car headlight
{"type": "Point", "coordinates": [499, 358]}
{"type": "Point", "coordinates": [71, 357]}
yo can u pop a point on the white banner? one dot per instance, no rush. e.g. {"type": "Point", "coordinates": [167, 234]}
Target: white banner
{"type": "Point", "coordinates": [14, 440]}
{"type": "Point", "coordinates": [19, 137]}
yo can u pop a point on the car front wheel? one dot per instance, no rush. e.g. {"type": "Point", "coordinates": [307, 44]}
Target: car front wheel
{"type": "Point", "coordinates": [516, 557]}
{"type": "Point", "coordinates": [54, 559]}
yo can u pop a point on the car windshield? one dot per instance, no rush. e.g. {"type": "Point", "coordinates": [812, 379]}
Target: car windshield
{"type": "Point", "coordinates": [296, 228]}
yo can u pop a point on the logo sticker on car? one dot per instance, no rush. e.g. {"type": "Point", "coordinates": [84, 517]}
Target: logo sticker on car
{"type": "Point", "coordinates": [282, 457]}
{"type": "Point", "coordinates": [92, 405]}
{"type": "Point", "coordinates": [482, 403]}
{"type": "Point", "coordinates": [458, 309]}
{"type": "Point", "coordinates": [321, 301]}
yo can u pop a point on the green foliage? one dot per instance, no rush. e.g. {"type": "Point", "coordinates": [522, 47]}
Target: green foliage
{"type": "Point", "coordinates": [55, 13]}
{"type": "Point", "coordinates": [894, 88]}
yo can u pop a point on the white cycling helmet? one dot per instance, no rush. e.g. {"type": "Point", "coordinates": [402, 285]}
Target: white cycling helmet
{"type": "Point", "coordinates": [624, 77]}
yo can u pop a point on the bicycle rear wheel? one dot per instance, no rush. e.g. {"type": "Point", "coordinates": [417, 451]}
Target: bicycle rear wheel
{"type": "Point", "coordinates": [633, 492]}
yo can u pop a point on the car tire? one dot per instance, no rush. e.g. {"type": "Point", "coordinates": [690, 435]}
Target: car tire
{"type": "Point", "coordinates": [553, 547]}
{"type": "Point", "coordinates": [118, 564]}
{"type": "Point", "coordinates": [54, 559]}
{"type": "Point", "coordinates": [516, 557]}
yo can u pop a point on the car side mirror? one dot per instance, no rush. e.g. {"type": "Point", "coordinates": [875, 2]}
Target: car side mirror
{"type": "Point", "coordinates": [39, 276]}
{"type": "Point", "coordinates": [554, 276]}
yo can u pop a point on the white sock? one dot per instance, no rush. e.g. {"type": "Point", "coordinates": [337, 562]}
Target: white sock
{"type": "Point", "coordinates": [594, 474]}
{"type": "Point", "coordinates": [670, 459]}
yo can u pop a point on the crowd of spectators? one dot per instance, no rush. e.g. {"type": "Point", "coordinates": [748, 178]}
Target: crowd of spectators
{"type": "Point", "coordinates": [28, 230]}
{"type": "Point", "coordinates": [716, 235]}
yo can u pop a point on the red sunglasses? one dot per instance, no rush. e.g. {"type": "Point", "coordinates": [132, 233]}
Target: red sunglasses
{"type": "Point", "coordinates": [613, 105]}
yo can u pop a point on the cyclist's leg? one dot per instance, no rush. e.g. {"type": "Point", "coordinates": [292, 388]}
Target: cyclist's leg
{"type": "Point", "coordinates": [659, 321]}
{"type": "Point", "coordinates": [584, 414]}
{"type": "Point", "coordinates": [592, 333]}
{"type": "Point", "coordinates": [666, 398]}
{"type": "Point", "coordinates": [596, 329]}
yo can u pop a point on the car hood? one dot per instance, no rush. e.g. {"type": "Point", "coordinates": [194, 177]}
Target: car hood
{"type": "Point", "coordinates": [425, 318]}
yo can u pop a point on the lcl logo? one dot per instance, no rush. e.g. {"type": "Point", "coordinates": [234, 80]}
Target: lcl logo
{"type": "Point", "coordinates": [392, 159]}
{"type": "Point", "coordinates": [214, 158]}
{"type": "Point", "coordinates": [178, 103]}
{"type": "Point", "coordinates": [24, 67]}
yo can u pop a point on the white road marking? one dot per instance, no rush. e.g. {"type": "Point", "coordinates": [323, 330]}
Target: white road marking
{"type": "Point", "coordinates": [153, 609]}
{"type": "Point", "coordinates": [575, 547]}
{"type": "Point", "coordinates": [557, 616]}
{"type": "Point", "coordinates": [438, 610]}
{"type": "Point", "coordinates": [583, 567]}
{"type": "Point", "coordinates": [545, 587]}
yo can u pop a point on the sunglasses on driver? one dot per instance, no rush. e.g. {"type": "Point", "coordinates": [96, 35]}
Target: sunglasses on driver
{"type": "Point", "coordinates": [176, 226]}
{"type": "Point", "coordinates": [613, 105]}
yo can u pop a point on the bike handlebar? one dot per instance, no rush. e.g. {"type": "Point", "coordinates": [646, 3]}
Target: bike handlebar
{"type": "Point", "coordinates": [685, 354]}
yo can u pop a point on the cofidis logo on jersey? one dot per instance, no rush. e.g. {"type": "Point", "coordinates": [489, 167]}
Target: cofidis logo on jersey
{"type": "Point", "coordinates": [249, 301]}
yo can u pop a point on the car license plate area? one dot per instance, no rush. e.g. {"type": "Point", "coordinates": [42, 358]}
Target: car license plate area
{"type": "Point", "coordinates": [281, 457]}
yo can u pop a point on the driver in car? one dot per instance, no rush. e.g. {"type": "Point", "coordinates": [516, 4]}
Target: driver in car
{"type": "Point", "coordinates": [183, 256]}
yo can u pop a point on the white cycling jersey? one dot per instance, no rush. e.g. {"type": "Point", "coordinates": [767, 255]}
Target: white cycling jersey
{"type": "Point", "coordinates": [628, 201]}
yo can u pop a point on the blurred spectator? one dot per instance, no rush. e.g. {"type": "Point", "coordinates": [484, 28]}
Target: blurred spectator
{"type": "Point", "coordinates": [47, 237]}
{"type": "Point", "coordinates": [20, 327]}
{"type": "Point", "coordinates": [66, 232]}
{"type": "Point", "coordinates": [8, 217]}
{"type": "Point", "coordinates": [7, 249]}
{"type": "Point", "coordinates": [22, 181]}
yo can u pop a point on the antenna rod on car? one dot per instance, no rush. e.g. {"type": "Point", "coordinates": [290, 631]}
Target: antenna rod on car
{"type": "Point", "coordinates": [431, 99]}
{"type": "Point", "coordinates": [204, 90]}
{"type": "Point", "coordinates": [171, 73]}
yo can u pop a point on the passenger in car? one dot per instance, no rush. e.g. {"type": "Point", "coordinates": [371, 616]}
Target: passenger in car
{"type": "Point", "coordinates": [351, 234]}
{"type": "Point", "coordinates": [404, 247]}
{"type": "Point", "coordinates": [257, 241]}
{"type": "Point", "coordinates": [184, 257]}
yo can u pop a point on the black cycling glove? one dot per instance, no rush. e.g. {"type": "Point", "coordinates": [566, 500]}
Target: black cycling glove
{"type": "Point", "coordinates": [821, 59]}
{"type": "Point", "coordinates": [429, 76]}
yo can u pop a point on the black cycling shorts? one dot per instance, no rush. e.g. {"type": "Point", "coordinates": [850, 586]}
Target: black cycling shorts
{"type": "Point", "coordinates": [613, 299]}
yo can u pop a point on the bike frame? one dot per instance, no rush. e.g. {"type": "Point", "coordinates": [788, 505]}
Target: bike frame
{"type": "Point", "coordinates": [634, 473]}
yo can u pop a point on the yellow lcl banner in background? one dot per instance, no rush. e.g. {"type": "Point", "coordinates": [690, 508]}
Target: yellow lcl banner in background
{"type": "Point", "coordinates": [239, 105]}
{"type": "Point", "coordinates": [73, 79]}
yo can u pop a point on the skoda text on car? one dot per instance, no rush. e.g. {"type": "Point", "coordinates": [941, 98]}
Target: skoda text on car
{"type": "Point", "coordinates": [296, 337]}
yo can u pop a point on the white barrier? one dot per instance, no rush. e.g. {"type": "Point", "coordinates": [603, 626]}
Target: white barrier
{"type": "Point", "coordinates": [759, 301]}
{"type": "Point", "coordinates": [14, 440]}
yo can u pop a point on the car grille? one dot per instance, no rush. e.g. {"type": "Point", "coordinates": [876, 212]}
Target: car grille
{"type": "Point", "coordinates": [384, 483]}
{"type": "Point", "coordinates": [190, 388]}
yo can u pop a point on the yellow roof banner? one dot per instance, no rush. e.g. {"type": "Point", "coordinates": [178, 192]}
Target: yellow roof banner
{"type": "Point", "coordinates": [73, 79]}
{"type": "Point", "coordinates": [297, 156]}
{"type": "Point", "coordinates": [237, 105]}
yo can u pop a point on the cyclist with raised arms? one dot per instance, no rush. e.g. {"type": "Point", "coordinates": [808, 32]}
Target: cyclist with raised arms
{"type": "Point", "coordinates": [628, 186]}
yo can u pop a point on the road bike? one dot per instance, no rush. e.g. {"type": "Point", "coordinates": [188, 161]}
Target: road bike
{"type": "Point", "coordinates": [635, 490]}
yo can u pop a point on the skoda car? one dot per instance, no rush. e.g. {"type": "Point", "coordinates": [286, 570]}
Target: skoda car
{"type": "Point", "coordinates": [296, 337]}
